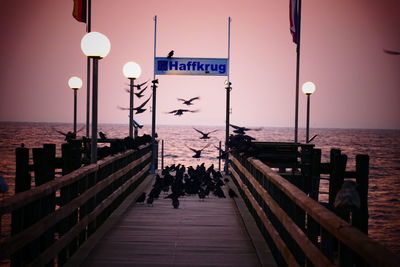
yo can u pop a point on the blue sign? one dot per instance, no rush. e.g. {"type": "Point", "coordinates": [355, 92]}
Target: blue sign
{"type": "Point", "coordinates": [191, 66]}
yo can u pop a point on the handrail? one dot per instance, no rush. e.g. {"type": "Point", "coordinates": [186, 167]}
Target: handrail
{"type": "Point", "coordinates": [116, 176]}
{"type": "Point", "coordinates": [368, 249]}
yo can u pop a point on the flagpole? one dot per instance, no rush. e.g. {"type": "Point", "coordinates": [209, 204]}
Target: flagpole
{"type": "Point", "coordinates": [88, 29]}
{"type": "Point", "coordinates": [298, 27]}
{"type": "Point", "coordinates": [228, 89]}
{"type": "Point", "coordinates": [153, 114]}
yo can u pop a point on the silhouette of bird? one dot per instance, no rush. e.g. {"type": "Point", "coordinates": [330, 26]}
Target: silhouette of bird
{"type": "Point", "coordinates": [175, 203]}
{"type": "Point", "coordinates": [347, 197]}
{"type": "Point", "coordinates": [189, 102]}
{"type": "Point", "coordinates": [232, 193]}
{"type": "Point", "coordinates": [141, 198]}
{"type": "Point", "coordinates": [179, 112]}
{"type": "Point", "coordinates": [170, 54]}
{"type": "Point", "coordinates": [223, 154]}
{"type": "Point", "coordinates": [197, 152]}
{"type": "Point", "coordinates": [242, 130]}
{"type": "Point", "coordinates": [205, 135]}
{"type": "Point", "coordinates": [139, 86]}
{"type": "Point", "coordinates": [140, 93]}
{"type": "Point", "coordinates": [150, 200]}
{"type": "Point", "coordinates": [140, 108]}
{"type": "Point", "coordinates": [102, 136]}
{"type": "Point", "coordinates": [391, 52]}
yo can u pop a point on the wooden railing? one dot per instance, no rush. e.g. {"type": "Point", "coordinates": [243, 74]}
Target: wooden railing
{"type": "Point", "coordinates": [299, 230]}
{"type": "Point", "coordinates": [51, 221]}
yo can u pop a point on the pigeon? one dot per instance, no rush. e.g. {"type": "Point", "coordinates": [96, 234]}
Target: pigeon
{"type": "Point", "coordinates": [141, 198]}
{"type": "Point", "coordinates": [189, 102]}
{"type": "Point", "coordinates": [198, 152]}
{"type": "Point", "coordinates": [179, 112]}
{"type": "Point", "coordinates": [170, 54]}
{"type": "Point", "coordinates": [232, 193]}
{"type": "Point", "coordinates": [205, 135]}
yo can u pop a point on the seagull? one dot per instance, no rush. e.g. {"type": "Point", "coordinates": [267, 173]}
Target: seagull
{"type": "Point", "coordinates": [102, 136]}
{"type": "Point", "coordinates": [223, 153]}
{"type": "Point", "coordinates": [205, 135]}
{"type": "Point", "coordinates": [179, 112]}
{"type": "Point", "coordinates": [170, 54]}
{"type": "Point", "coordinates": [139, 86]}
{"type": "Point", "coordinates": [189, 102]}
{"type": "Point", "coordinates": [232, 193]}
{"type": "Point", "coordinates": [141, 198]}
{"type": "Point", "coordinates": [198, 152]}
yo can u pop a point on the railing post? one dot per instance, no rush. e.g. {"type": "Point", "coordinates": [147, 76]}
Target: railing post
{"type": "Point", "coordinates": [360, 217]}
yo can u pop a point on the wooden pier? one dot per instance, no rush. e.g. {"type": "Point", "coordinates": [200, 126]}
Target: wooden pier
{"type": "Point", "coordinates": [88, 216]}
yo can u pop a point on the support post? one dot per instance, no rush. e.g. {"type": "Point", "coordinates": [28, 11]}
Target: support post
{"type": "Point", "coordinates": [93, 150]}
{"type": "Point", "coordinates": [132, 86]}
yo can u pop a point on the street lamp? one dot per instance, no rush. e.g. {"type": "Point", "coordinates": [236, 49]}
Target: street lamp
{"type": "Point", "coordinates": [75, 83]}
{"type": "Point", "coordinates": [228, 101]}
{"type": "Point", "coordinates": [308, 89]}
{"type": "Point", "coordinates": [96, 46]}
{"type": "Point", "coordinates": [132, 71]}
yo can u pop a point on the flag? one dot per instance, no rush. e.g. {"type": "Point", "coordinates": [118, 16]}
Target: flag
{"type": "Point", "coordinates": [79, 11]}
{"type": "Point", "coordinates": [294, 19]}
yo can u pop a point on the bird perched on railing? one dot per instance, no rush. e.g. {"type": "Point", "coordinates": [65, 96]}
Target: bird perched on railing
{"type": "Point", "coordinates": [197, 152]}
{"type": "Point", "coordinates": [179, 112]}
{"type": "Point", "coordinates": [347, 197]}
{"type": "Point", "coordinates": [188, 102]}
{"type": "Point", "coordinates": [205, 135]}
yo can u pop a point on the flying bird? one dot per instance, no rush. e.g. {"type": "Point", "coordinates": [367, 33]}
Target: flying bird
{"type": "Point", "coordinates": [140, 108]}
{"type": "Point", "coordinates": [391, 52]}
{"type": "Point", "coordinates": [189, 102]}
{"type": "Point", "coordinates": [179, 112]}
{"type": "Point", "coordinates": [170, 54]}
{"type": "Point", "coordinates": [197, 152]}
{"type": "Point", "coordinates": [241, 130]}
{"type": "Point", "coordinates": [140, 93]}
{"type": "Point", "coordinates": [205, 135]}
{"type": "Point", "coordinates": [139, 86]}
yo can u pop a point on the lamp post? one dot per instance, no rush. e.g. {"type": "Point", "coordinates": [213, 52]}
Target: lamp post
{"type": "Point", "coordinates": [228, 101]}
{"type": "Point", "coordinates": [95, 46]}
{"type": "Point", "coordinates": [308, 89]}
{"type": "Point", "coordinates": [132, 71]}
{"type": "Point", "coordinates": [75, 83]}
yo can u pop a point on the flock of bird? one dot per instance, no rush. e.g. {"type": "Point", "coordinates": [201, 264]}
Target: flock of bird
{"type": "Point", "coordinates": [177, 181]}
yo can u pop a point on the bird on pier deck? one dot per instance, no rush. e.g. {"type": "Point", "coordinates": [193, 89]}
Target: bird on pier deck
{"type": "Point", "coordinates": [188, 102]}
{"type": "Point", "coordinates": [197, 151]}
{"type": "Point", "coordinates": [170, 54]}
{"type": "Point", "coordinates": [179, 112]}
{"type": "Point", "coordinates": [232, 193]}
{"type": "Point", "coordinates": [205, 135]}
{"type": "Point", "coordinates": [141, 198]}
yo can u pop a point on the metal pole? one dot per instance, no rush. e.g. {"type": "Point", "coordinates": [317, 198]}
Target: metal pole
{"type": "Point", "coordinates": [296, 121]}
{"type": "Point", "coordinates": [153, 117]}
{"type": "Point", "coordinates": [93, 151]}
{"type": "Point", "coordinates": [75, 97]}
{"type": "Point", "coordinates": [162, 154]}
{"type": "Point", "coordinates": [88, 29]}
{"type": "Point", "coordinates": [219, 157]}
{"type": "Point", "coordinates": [308, 118]}
{"type": "Point", "coordinates": [132, 85]}
{"type": "Point", "coordinates": [228, 89]}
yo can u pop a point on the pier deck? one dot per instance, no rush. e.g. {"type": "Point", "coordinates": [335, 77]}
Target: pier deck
{"type": "Point", "coordinates": [209, 233]}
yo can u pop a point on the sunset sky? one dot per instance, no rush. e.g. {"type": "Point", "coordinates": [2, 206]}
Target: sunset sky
{"type": "Point", "coordinates": [358, 85]}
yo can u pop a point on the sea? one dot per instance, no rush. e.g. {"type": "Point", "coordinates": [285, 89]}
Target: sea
{"type": "Point", "coordinates": [383, 147]}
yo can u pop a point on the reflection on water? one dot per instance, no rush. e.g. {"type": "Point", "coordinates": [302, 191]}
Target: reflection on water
{"type": "Point", "coordinates": [383, 147]}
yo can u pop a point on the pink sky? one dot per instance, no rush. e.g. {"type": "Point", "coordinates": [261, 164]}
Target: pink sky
{"type": "Point", "coordinates": [358, 86]}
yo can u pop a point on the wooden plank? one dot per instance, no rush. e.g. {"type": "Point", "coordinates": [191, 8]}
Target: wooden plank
{"type": "Point", "coordinates": [309, 249]}
{"type": "Point", "coordinates": [10, 244]}
{"type": "Point", "coordinates": [53, 251]}
{"type": "Point", "coordinates": [370, 250]}
{"type": "Point", "coordinates": [208, 233]}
